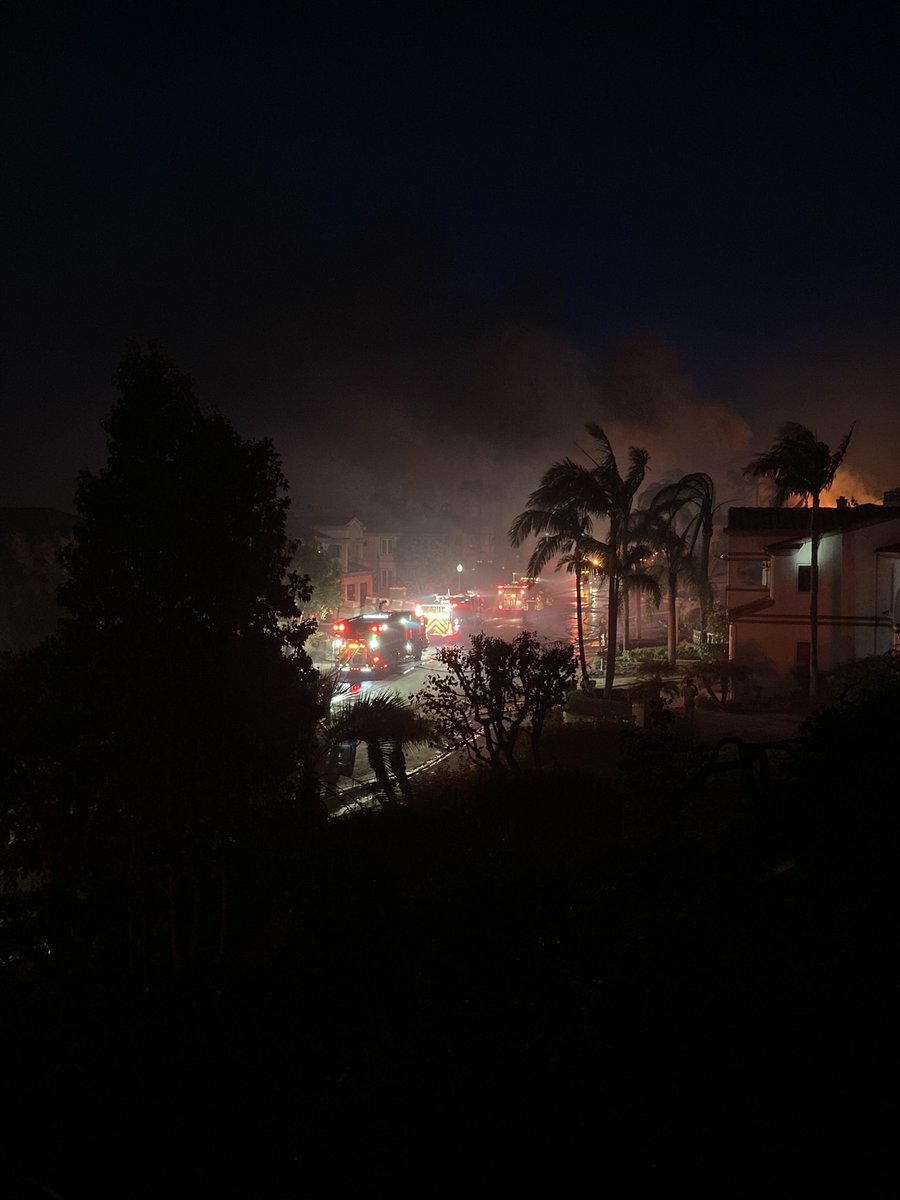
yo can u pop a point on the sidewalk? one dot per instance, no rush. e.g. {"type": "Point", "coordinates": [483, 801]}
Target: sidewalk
{"type": "Point", "coordinates": [710, 726]}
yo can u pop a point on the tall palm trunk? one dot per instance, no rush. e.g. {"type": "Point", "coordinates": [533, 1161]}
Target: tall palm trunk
{"type": "Point", "coordinates": [626, 596]}
{"type": "Point", "coordinates": [579, 623]}
{"type": "Point", "coordinates": [802, 466]}
{"type": "Point", "coordinates": [397, 759]}
{"type": "Point", "coordinates": [612, 620]}
{"type": "Point", "coordinates": [379, 769]}
{"type": "Point", "coordinates": [705, 595]}
{"type": "Point", "coordinates": [638, 605]}
{"type": "Point", "coordinates": [672, 616]}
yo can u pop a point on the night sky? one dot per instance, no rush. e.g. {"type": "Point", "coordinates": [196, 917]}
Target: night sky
{"type": "Point", "coordinates": [473, 229]}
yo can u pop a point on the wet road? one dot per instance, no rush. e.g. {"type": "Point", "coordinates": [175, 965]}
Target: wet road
{"type": "Point", "coordinates": [551, 623]}
{"type": "Point", "coordinates": [556, 623]}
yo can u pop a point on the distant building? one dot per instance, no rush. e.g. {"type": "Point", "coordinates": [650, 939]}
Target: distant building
{"type": "Point", "coordinates": [768, 583]}
{"type": "Point", "coordinates": [366, 558]}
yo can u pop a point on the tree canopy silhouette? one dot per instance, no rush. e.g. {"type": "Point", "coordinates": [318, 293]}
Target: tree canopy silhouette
{"type": "Point", "coordinates": [185, 525]}
{"type": "Point", "coordinates": [180, 690]}
{"type": "Point", "coordinates": [801, 466]}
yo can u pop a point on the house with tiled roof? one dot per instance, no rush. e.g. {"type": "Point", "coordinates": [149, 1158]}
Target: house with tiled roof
{"type": "Point", "coordinates": [367, 560]}
{"type": "Point", "coordinates": [768, 586]}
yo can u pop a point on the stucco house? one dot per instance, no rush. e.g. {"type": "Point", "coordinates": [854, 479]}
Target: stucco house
{"type": "Point", "coordinates": [768, 582]}
{"type": "Point", "coordinates": [366, 558]}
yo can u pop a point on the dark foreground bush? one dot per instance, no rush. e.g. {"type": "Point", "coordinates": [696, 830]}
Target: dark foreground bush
{"type": "Point", "coordinates": [489, 985]}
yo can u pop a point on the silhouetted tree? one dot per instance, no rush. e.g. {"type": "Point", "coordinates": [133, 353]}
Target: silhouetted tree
{"type": "Point", "coordinates": [564, 535]}
{"type": "Point", "coordinates": [30, 574]}
{"type": "Point", "coordinates": [674, 548]}
{"type": "Point", "coordinates": [181, 694]}
{"type": "Point", "coordinates": [323, 574]}
{"type": "Point", "coordinates": [497, 694]}
{"type": "Point", "coordinates": [600, 491]}
{"type": "Point", "coordinates": [386, 725]}
{"type": "Point", "coordinates": [801, 466]}
{"type": "Point", "coordinates": [690, 503]}
{"type": "Point", "coordinates": [634, 572]}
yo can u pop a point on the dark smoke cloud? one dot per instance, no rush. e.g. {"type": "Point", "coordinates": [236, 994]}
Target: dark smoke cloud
{"type": "Point", "coordinates": [377, 372]}
{"type": "Point", "coordinates": [828, 388]}
{"type": "Point", "coordinates": [259, 191]}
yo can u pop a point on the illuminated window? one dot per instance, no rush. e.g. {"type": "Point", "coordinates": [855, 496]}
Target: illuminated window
{"type": "Point", "coordinates": [804, 578]}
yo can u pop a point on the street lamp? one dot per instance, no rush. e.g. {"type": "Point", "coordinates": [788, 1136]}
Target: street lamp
{"type": "Point", "coordinates": [459, 568]}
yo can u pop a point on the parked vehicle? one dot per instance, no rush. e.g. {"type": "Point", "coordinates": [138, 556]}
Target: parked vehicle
{"type": "Point", "coordinates": [467, 606]}
{"type": "Point", "coordinates": [440, 620]}
{"type": "Point", "coordinates": [524, 594]}
{"type": "Point", "coordinates": [378, 642]}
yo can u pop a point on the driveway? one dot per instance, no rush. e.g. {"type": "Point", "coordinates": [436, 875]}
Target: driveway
{"type": "Point", "coordinates": [711, 725]}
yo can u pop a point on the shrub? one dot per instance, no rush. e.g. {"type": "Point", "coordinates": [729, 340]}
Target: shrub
{"type": "Point", "coordinates": [641, 654]}
{"type": "Point", "coordinates": [616, 708]}
{"type": "Point", "coordinates": [688, 650]}
{"type": "Point", "coordinates": [713, 652]}
{"type": "Point", "coordinates": [652, 667]}
{"type": "Point", "coordinates": [860, 681]}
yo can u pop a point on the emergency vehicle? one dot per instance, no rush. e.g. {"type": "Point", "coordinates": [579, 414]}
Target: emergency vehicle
{"type": "Point", "coordinates": [467, 606]}
{"type": "Point", "coordinates": [524, 594]}
{"type": "Point", "coordinates": [378, 642]}
{"type": "Point", "coordinates": [440, 620]}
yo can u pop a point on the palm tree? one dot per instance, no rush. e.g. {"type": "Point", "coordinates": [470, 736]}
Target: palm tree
{"type": "Point", "coordinates": [635, 570]}
{"type": "Point", "coordinates": [619, 493]}
{"type": "Point", "coordinates": [633, 575]}
{"type": "Point", "coordinates": [386, 724]}
{"type": "Point", "coordinates": [564, 535]}
{"type": "Point", "coordinates": [691, 501]}
{"type": "Point", "coordinates": [675, 547]}
{"type": "Point", "coordinates": [800, 466]}
{"type": "Point", "coordinates": [592, 491]}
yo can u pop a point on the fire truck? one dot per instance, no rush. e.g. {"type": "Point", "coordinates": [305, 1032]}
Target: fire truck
{"type": "Point", "coordinates": [441, 622]}
{"type": "Point", "coordinates": [467, 606]}
{"type": "Point", "coordinates": [378, 642]}
{"type": "Point", "coordinates": [524, 594]}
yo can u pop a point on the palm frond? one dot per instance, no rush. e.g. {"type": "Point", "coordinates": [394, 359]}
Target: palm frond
{"type": "Point", "coordinates": [798, 464]}
{"type": "Point", "coordinates": [644, 582]}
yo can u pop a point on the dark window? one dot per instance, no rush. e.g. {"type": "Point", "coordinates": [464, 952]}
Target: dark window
{"type": "Point", "coordinates": [351, 591]}
{"type": "Point", "coordinates": [804, 575]}
{"type": "Point", "coordinates": [751, 574]}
